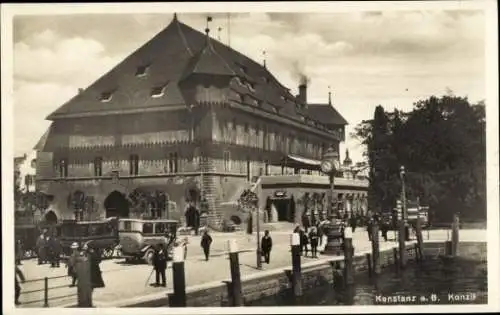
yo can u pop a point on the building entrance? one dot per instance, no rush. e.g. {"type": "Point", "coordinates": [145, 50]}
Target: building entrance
{"type": "Point", "coordinates": [116, 205]}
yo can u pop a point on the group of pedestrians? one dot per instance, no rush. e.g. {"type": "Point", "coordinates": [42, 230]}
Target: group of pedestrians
{"type": "Point", "coordinates": [49, 249]}
{"type": "Point", "coordinates": [309, 238]}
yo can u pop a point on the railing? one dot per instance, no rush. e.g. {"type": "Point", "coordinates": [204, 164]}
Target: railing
{"type": "Point", "coordinates": [46, 299]}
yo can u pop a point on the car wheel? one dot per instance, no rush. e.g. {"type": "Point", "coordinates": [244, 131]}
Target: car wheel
{"type": "Point", "coordinates": [148, 256]}
{"type": "Point", "coordinates": [107, 253]}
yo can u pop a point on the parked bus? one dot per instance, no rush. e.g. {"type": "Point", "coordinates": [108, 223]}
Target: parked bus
{"type": "Point", "coordinates": [103, 235]}
{"type": "Point", "coordinates": [138, 237]}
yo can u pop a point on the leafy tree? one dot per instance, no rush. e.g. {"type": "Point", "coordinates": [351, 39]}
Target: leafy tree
{"type": "Point", "coordinates": [441, 144]}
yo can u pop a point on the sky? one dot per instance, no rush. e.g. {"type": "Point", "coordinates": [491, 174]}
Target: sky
{"type": "Point", "coordinates": [388, 58]}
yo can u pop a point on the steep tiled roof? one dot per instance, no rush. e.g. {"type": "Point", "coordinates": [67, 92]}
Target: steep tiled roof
{"type": "Point", "coordinates": [326, 114]}
{"type": "Point", "coordinates": [40, 145]}
{"type": "Point", "coordinates": [167, 59]}
{"type": "Point", "coordinates": [208, 61]}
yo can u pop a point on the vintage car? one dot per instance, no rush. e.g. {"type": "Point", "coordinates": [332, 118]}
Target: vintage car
{"type": "Point", "coordinates": [139, 237]}
{"type": "Point", "coordinates": [101, 235]}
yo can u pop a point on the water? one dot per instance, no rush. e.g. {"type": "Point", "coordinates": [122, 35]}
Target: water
{"type": "Point", "coordinates": [433, 280]}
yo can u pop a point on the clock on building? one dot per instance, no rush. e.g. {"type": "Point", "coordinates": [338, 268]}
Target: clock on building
{"type": "Point", "coordinates": [327, 166]}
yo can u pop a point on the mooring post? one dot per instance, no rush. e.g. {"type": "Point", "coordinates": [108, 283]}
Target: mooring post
{"type": "Point", "coordinates": [375, 250]}
{"type": "Point", "coordinates": [348, 256]}
{"type": "Point", "coordinates": [179, 278]}
{"type": "Point", "coordinates": [46, 292]}
{"type": "Point", "coordinates": [402, 245]}
{"type": "Point", "coordinates": [234, 264]}
{"type": "Point", "coordinates": [419, 250]}
{"type": "Point", "coordinates": [455, 228]}
{"type": "Point", "coordinates": [296, 268]}
{"type": "Point", "coordinates": [396, 258]}
{"type": "Point", "coordinates": [84, 282]}
{"type": "Point", "coordinates": [369, 262]}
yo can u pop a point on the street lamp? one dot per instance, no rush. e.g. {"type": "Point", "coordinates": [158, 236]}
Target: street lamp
{"type": "Point", "coordinates": [403, 193]}
{"type": "Point", "coordinates": [259, 253]}
{"type": "Point", "coordinates": [329, 165]}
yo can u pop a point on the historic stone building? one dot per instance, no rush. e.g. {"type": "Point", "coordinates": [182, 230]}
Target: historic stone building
{"type": "Point", "coordinates": [185, 115]}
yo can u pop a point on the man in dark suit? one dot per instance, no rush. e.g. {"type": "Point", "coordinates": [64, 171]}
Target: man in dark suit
{"type": "Point", "coordinates": [160, 264]}
{"type": "Point", "coordinates": [206, 241]}
{"type": "Point", "coordinates": [266, 245]}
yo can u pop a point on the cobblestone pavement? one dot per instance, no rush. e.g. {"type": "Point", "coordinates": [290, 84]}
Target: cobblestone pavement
{"type": "Point", "coordinates": [128, 281]}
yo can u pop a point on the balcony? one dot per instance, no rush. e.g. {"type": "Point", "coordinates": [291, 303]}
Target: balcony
{"type": "Point", "coordinates": [321, 180]}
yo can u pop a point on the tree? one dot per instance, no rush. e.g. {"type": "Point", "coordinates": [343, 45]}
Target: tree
{"type": "Point", "coordinates": [441, 144]}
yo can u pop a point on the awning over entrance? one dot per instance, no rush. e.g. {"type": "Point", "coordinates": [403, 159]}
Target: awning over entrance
{"type": "Point", "coordinates": [296, 161]}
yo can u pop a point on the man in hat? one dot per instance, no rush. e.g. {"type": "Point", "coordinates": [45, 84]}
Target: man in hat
{"type": "Point", "coordinates": [41, 248]}
{"type": "Point", "coordinates": [266, 246]}
{"type": "Point", "coordinates": [71, 263]}
{"type": "Point", "coordinates": [19, 274]}
{"type": "Point", "coordinates": [160, 264]}
{"type": "Point", "coordinates": [206, 242]}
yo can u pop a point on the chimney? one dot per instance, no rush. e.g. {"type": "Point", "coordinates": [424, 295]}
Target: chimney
{"type": "Point", "coordinates": [302, 93]}
{"type": "Point", "coordinates": [80, 90]}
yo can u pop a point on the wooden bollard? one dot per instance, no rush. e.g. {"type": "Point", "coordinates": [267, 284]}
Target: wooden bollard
{"type": "Point", "coordinates": [402, 244]}
{"type": "Point", "coordinates": [46, 292]}
{"type": "Point", "coordinates": [296, 268]}
{"type": "Point", "coordinates": [84, 289]}
{"type": "Point", "coordinates": [179, 279]}
{"type": "Point", "coordinates": [396, 258]}
{"type": "Point", "coordinates": [455, 228]}
{"type": "Point", "coordinates": [448, 248]}
{"type": "Point", "coordinates": [348, 256]}
{"type": "Point", "coordinates": [234, 264]}
{"type": "Point", "coordinates": [420, 240]}
{"type": "Point", "coordinates": [375, 250]}
{"type": "Point", "coordinates": [369, 262]}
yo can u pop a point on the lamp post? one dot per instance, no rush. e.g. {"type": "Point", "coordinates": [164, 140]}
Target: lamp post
{"type": "Point", "coordinates": [403, 193]}
{"type": "Point", "coordinates": [259, 253]}
{"type": "Point", "coordinates": [329, 165]}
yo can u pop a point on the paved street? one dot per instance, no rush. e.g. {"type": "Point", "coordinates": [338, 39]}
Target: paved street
{"type": "Point", "coordinates": [125, 282]}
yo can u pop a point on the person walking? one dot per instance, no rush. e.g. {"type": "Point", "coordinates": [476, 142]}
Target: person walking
{"type": "Point", "coordinates": [55, 249]}
{"type": "Point", "coordinates": [313, 240]}
{"type": "Point", "coordinates": [160, 265]}
{"type": "Point", "coordinates": [266, 245]}
{"type": "Point", "coordinates": [353, 222]}
{"type": "Point", "coordinates": [369, 228]}
{"type": "Point", "coordinates": [304, 241]}
{"type": "Point", "coordinates": [185, 243]}
{"type": "Point", "coordinates": [41, 249]}
{"type": "Point", "coordinates": [18, 274]}
{"type": "Point", "coordinates": [95, 270]}
{"type": "Point", "coordinates": [71, 263]}
{"type": "Point", "coordinates": [19, 252]}
{"type": "Point", "coordinates": [206, 241]}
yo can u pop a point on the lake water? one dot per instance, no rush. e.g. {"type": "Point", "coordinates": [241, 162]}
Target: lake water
{"type": "Point", "coordinates": [431, 282]}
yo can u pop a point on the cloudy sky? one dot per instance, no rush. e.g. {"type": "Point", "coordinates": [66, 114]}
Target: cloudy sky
{"type": "Point", "coordinates": [392, 58]}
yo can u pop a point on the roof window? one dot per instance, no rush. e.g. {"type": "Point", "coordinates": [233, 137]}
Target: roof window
{"type": "Point", "coordinates": [106, 96]}
{"type": "Point", "coordinates": [158, 91]}
{"type": "Point", "coordinates": [141, 71]}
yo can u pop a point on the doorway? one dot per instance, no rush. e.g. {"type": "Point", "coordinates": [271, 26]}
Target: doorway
{"type": "Point", "coordinates": [51, 218]}
{"type": "Point", "coordinates": [283, 209]}
{"type": "Point", "coordinates": [116, 205]}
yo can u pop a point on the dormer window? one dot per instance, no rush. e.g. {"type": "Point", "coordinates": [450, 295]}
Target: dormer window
{"type": "Point", "coordinates": [241, 97]}
{"type": "Point", "coordinates": [106, 96]}
{"type": "Point", "coordinates": [141, 71]}
{"type": "Point", "coordinates": [251, 86]}
{"type": "Point", "coordinates": [158, 91]}
{"type": "Point", "coordinates": [243, 69]}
